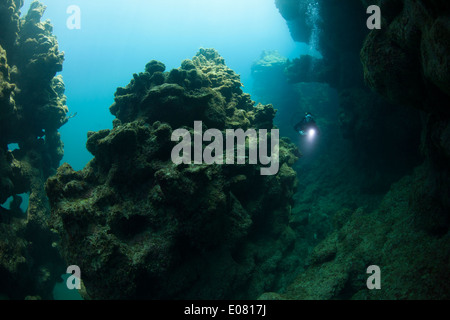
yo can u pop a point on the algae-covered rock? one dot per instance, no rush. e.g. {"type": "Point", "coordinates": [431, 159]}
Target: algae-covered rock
{"type": "Point", "coordinates": [140, 226]}
{"type": "Point", "coordinates": [397, 237]}
{"type": "Point", "coordinates": [32, 109]}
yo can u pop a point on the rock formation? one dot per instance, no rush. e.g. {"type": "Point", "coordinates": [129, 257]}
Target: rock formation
{"type": "Point", "coordinates": [32, 109]}
{"type": "Point", "coordinates": [140, 226]}
{"type": "Point", "coordinates": [406, 64]}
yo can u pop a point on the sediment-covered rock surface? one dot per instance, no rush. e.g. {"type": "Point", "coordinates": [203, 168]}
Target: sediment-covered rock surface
{"type": "Point", "coordinates": [140, 226]}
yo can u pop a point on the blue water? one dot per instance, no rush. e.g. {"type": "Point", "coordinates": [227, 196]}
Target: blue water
{"type": "Point", "coordinates": [61, 292]}
{"type": "Point", "coordinates": [117, 38]}
{"type": "Point", "coordinates": [23, 205]}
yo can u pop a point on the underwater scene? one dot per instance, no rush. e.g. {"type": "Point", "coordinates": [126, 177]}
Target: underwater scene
{"type": "Point", "coordinates": [225, 150]}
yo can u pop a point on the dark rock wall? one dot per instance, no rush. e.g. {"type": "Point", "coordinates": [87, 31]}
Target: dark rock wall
{"type": "Point", "coordinates": [32, 109]}
{"type": "Point", "coordinates": [385, 135]}
{"type": "Point", "coordinates": [140, 226]}
{"type": "Point", "coordinates": [408, 62]}
{"type": "Point", "coordinates": [405, 64]}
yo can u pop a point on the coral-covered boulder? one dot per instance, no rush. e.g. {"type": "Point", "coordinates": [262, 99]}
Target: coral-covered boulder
{"type": "Point", "coordinates": [140, 226]}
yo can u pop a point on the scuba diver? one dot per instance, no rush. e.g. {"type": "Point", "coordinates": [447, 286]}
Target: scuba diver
{"type": "Point", "coordinates": [307, 126]}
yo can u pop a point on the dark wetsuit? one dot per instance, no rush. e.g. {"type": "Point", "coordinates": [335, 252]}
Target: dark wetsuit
{"type": "Point", "coordinates": [306, 124]}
